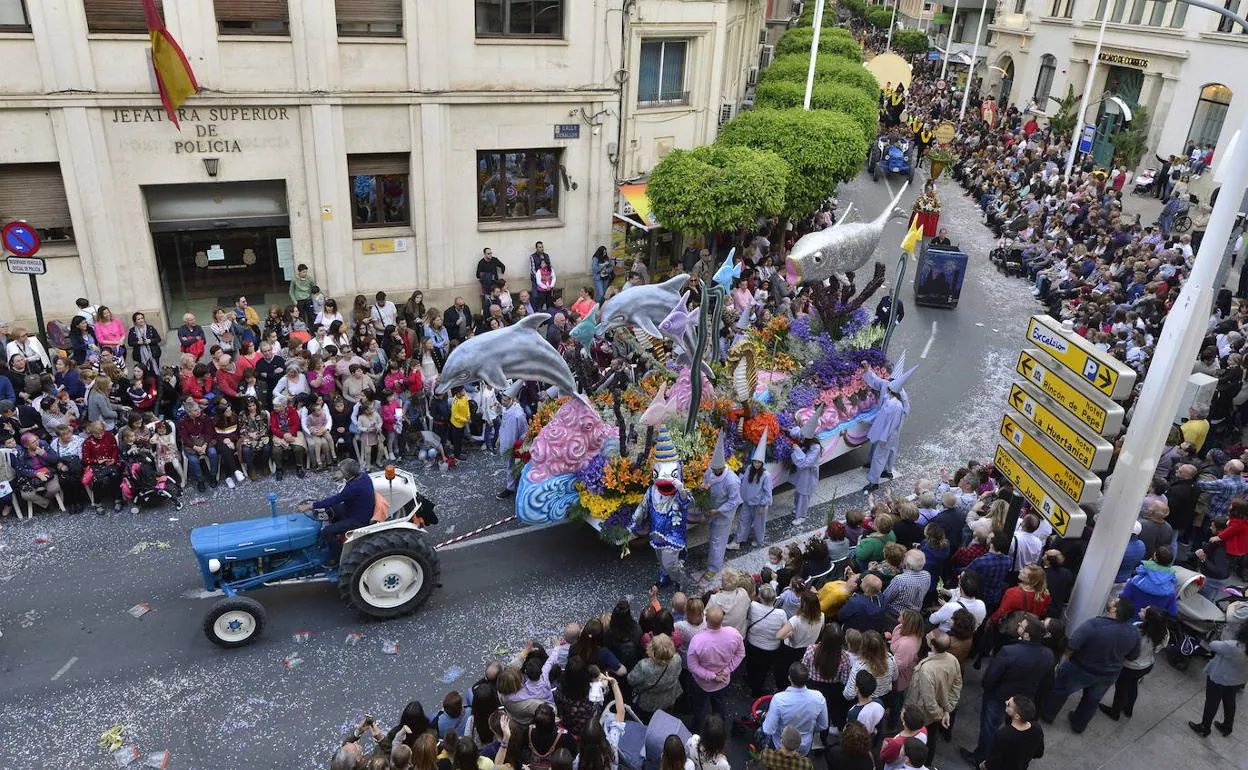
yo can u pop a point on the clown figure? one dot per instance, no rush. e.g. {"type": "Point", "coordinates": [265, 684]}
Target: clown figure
{"type": "Point", "coordinates": [725, 489]}
{"type": "Point", "coordinates": [885, 432]}
{"type": "Point", "coordinates": [755, 497]}
{"type": "Point", "coordinates": [666, 506]}
{"type": "Point", "coordinates": [804, 473]}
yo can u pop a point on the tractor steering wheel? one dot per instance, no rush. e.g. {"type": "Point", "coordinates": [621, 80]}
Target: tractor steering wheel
{"type": "Point", "coordinates": [316, 514]}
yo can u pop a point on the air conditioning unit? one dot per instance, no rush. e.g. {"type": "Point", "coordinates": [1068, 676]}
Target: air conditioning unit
{"type": "Point", "coordinates": [762, 36]}
{"type": "Point", "coordinates": [766, 54]}
{"type": "Point", "coordinates": [725, 113]}
{"type": "Point", "coordinates": [752, 78]}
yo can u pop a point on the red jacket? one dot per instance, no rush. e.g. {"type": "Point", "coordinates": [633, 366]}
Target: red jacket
{"type": "Point", "coordinates": [100, 451]}
{"type": "Point", "coordinates": [227, 382]}
{"type": "Point", "coordinates": [1235, 536]}
{"type": "Point", "coordinates": [293, 425]}
{"type": "Point", "coordinates": [1016, 598]}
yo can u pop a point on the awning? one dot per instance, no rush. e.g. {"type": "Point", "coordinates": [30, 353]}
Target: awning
{"type": "Point", "coordinates": [942, 18]}
{"type": "Point", "coordinates": [636, 202]}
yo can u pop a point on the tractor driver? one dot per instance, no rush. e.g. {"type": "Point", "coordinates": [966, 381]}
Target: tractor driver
{"type": "Point", "coordinates": [350, 509]}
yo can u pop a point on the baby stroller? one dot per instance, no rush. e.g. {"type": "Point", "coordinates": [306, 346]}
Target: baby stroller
{"type": "Point", "coordinates": [1201, 621]}
{"type": "Point", "coordinates": [751, 726]}
{"type": "Point", "coordinates": [142, 483]}
{"type": "Point", "coordinates": [1144, 181]}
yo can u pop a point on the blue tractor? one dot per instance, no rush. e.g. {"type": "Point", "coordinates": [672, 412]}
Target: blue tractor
{"type": "Point", "coordinates": [387, 568]}
{"type": "Point", "coordinates": [894, 158]}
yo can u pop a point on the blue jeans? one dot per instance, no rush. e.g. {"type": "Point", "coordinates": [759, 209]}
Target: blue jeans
{"type": "Point", "coordinates": [600, 287]}
{"type": "Point", "coordinates": [1070, 679]}
{"type": "Point", "coordinates": [193, 466]}
{"type": "Point", "coordinates": [991, 716]}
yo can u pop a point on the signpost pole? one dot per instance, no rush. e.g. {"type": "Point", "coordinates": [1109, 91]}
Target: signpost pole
{"type": "Point", "coordinates": [814, 54]}
{"type": "Point", "coordinates": [1016, 507]}
{"type": "Point", "coordinates": [34, 294]}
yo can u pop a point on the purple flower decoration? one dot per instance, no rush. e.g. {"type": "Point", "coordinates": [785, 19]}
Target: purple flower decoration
{"type": "Point", "coordinates": [591, 474]}
{"type": "Point", "coordinates": [623, 517]}
{"type": "Point", "coordinates": [802, 396]}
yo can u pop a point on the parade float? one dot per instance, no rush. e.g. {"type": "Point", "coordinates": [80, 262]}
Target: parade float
{"type": "Point", "coordinates": [590, 457]}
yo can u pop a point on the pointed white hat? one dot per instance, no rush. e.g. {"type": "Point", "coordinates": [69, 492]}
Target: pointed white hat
{"type": "Point", "coordinates": [760, 451]}
{"type": "Point", "coordinates": [811, 426]}
{"type": "Point", "coordinates": [717, 456]}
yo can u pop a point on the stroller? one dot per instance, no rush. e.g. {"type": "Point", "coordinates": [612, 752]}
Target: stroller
{"type": "Point", "coordinates": [751, 726]}
{"type": "Point", "coordinates": [142, 483]}
{"type": "Point", "coordinates": [1201, 621]}
{"type": "Point", "coordinates": [1144, 181]}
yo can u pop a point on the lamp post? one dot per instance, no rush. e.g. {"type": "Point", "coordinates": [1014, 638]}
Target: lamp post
{"type": "Point", "coordinates": [892, 22]}
{"type": "Point", "coordinates": [1163, 387]}
{"type": "Point", "coordinates": [1087, 93]}
{"type": "Point", "coordinates": [949, 39]}
{"type": "Point", "coordinates": [970, 71]}
{"type": "Point", "coordinates": [814, 53]}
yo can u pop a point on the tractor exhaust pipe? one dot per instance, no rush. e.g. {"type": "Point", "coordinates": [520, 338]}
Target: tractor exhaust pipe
{"type": "Point", "coordinates": [273, 504]}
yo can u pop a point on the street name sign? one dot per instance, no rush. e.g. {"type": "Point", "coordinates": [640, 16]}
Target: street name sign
{"type": "Point", "coordinates": [26, 265]}
{"type": "Point", "coordinates": [1102, 371]}
{"type": "Point", "coordinates": [1058, 509]}
{"type": "Point", "coordinates": [1078, 483]}
{"type": "Point", "coordinates": [1085, 404]}
{"type": "Point", "coordinates": [1089, 451]}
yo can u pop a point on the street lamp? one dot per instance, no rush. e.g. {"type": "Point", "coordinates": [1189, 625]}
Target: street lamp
{"type": "Point", "coordinates": [970, 72]}
{"type": "Point", "coordinates": [1163, 387]}
{"type": "Point", "coordinates": [814, 54]}
{"type": "Point", "coordinates": [949, 40]}
{"type": "Point", "coordinates": [892, 22]}
{"type": "Point", "coordinates": [1087, 92]}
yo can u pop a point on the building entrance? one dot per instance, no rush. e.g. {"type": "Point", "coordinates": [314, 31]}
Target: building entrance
{"type": "Point", "coordinates": [216, 242]}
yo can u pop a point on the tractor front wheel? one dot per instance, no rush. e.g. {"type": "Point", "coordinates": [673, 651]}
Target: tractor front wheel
{"type": "Point", "coordinates": [234, 622]}
{"type": "Point", "coordinates": [389, 574]}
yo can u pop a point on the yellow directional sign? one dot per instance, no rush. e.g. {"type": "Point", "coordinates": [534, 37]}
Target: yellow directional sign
{"type": "Point", "coordinates": [1102, 371]}
{"type": "Point", "coordinates": [1059, 510]}
{"type": "Point", "coordinates": [1087, 406]}
{"type": "Point", "coordinates": [1083, 487]}
{"type": "Point", "coordinates": [1092, 452]}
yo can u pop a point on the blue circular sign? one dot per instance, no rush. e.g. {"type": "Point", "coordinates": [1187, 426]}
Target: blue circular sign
{"type": "Point", "coordinates": [20, 238]}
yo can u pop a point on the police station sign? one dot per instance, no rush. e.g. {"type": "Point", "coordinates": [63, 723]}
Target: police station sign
{"type": "Point", "coordinates": [206, 129]}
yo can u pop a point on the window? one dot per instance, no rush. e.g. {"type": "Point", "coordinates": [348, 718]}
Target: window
{"type": "Point", "coordinates": [369, 18]}
{"type": "Point", "coordinates": [1044, 83]}
{"type": "Point", "coordinates": [35, 193]}
{"type": "Point", "coordinates": [1179, 17]}
{"type": "Point", "coordinates": [927, 8]}
{"type": "Point", "coordinates": [252, 17]}
{"type": "Point", "coordinates": [114, 16]}
{"type": "Point", "coordinates": [661, 79]}
{"type": "Point", "coordinates": [1225, 24]}
{"type": "Point", "coordinates": [13, 16]}
{"type": "Point", "coordinates": [379, 190]}
{"type": "Point", "coordinates": [517, 184]}
{"type": "Point", "coordinates": [1020, 6]}
{"type": "Point", "coordinates": [1215, 100]}
{"type": "Point", "coordinates": [1063, 8]}
{"type": "Point", "coordinates": [1137, 12]}
{"type": "Point", "coordinates": [520, 18]}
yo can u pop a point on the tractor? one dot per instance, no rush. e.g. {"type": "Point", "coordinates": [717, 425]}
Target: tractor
{"type": "Point", "coordinates": [894, 158]}
{"type": "Point", "coordinates": [387, 569]}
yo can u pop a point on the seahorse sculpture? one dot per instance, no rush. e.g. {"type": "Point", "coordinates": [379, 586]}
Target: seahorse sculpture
{"type": "Point", "coordinates": [743, 369]}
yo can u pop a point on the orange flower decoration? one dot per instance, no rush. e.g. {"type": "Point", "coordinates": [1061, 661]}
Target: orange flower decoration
{"type": "Point", "coordinates": [755, 425]}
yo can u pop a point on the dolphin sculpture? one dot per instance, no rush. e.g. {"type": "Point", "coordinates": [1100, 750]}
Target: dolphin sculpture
{"type": "Point", "coordinates": [641, 306]}
{"type": "Point", "coordinates": [661, 406]}
{"type": "Point", "coordinates": [518, 351]}
{"type": "Point", "coordinates": [583, 332]}
{"type": "Point", "coordinates": [842, 249]}
{"type": "Point", "coordinates": [727, 272]}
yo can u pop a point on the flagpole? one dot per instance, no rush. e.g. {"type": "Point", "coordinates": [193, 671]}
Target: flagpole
{"type": "Point", "coordinates": [814, 53]}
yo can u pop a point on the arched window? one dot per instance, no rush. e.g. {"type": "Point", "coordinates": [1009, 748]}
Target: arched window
{"type": "Point", "coordinates": [1044, 83]}
{"type": "Point", "coordinates": [1215, 99]}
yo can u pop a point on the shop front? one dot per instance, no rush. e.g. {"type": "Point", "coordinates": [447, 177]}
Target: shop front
{"type": "Point", "coordinates": [636, 232]}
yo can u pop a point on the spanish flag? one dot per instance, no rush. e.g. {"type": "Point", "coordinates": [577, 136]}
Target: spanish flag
{"type": "Point", "coordinates": [173, 71]}
{"type": "Point", "coordinates": [912, 238]}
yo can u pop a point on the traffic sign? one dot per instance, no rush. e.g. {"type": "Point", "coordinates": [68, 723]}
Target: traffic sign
{"type": "Point", "coordinates": [26, 265]}
{"type": "Point", "coordinates": [1082, 486]}
{"type": "Point", "coordinates": [1087, 406]}
{"type": "Point", "coordinates": [1091, 452]}
{"type": "Point", "coordinates": [1060, 511]}
{"type": "Point", "coordinates": [1087, 137]}
{"type": "Point", "coordinates": [1099, 369]}
{"type": "Point", "coordinates": [20, 238]}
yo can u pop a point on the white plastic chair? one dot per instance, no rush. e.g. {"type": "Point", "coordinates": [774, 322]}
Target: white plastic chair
{"type": "Point", "coordinates": [10, 458]}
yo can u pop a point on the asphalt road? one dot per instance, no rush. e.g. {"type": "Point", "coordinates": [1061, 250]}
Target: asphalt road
{"type": "Point", "coordinates": [75, 662]}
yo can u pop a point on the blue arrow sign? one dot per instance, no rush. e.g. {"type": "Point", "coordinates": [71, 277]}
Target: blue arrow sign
{"type": "Point", "coordinates": [1086, 138]}
{"type": "Point", "coordinates": [20, 238]}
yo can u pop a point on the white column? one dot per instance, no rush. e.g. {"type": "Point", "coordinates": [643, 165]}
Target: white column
{"type": "Point", "coordinates": [61, 46]}
{"type": "Point", "coordinates": [814, 53]}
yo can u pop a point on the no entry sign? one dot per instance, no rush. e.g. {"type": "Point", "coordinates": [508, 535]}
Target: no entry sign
{"type": "Point", "coordinates": [20, 238]}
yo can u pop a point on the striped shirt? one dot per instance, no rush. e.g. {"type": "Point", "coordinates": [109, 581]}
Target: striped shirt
{"type": "Point", "coordinates": [1222, 491]}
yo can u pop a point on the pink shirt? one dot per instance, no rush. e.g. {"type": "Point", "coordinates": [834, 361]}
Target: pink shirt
{"type": "Point", "coordinates": [110, 333]}
{"type": "Point", "coordinates": [714, 651]}
{"type": "Point", "coordinates": [905, 651]}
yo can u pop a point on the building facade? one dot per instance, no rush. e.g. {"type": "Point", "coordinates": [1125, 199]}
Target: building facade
{"type": "Point", "coordinates": [384, 143]}
{"type": "Point", "coordinates": [1176, 60]}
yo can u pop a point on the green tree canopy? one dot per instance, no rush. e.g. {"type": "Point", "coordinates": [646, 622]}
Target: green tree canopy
{"type": "Point", "coordinates": [1131, 142]}
{"type": "Point", "coordinates": [830, 18]}
{"type": "Point", "coordinates": [837, 97]}
{"type": "Point", "coordinates": [716, 187]}
{"type": "Point", "coordinates": [797, 40]}
{"type": "Point", "coordinates": [911, 41]}
{"type": "Point", "coordinates": [1063, 120]}
{"type": "Point", "coordinates": [879, 16]}
{"type": "Point", "coordinates": [821, 148]}
{"type": "Point", "coordinates": [828, 69]}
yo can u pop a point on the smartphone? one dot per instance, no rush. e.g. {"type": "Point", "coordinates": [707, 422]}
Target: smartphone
{"type": "Point", "coordinates": [368, 719]}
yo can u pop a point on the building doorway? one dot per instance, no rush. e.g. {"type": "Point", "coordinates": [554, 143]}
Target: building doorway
{"type": "Point", "coordinates": [1125, 83]}
{"type": "Point", "coordinates": [216, 242]}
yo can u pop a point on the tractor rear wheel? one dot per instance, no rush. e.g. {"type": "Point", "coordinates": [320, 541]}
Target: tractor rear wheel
{"type": "Point", "coordinates": [389, 574]}
{"type": "Point", "coordinates": [235, 622]}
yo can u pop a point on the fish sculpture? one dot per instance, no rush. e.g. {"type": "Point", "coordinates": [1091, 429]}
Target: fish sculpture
{"type": "Point", "coordinates": [513, 352]}
{"type": "Point", "coordinates": [680, 320]}
{"type": "Point", "coordinates": [842, 249]}
{"type": "Point", "coordinates": [728, 272]}
{"type": "Point", "coordinates": [583, 332]}
{"type": "Point", "coordinates": [660, 407]}
{"type": "Point", "coordinates": [641, 306]}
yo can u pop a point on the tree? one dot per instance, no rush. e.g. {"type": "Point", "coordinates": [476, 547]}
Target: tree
{"type": "Point", "coordinates": [879, 16]}
{"type": "Point", "coordinates": [837, 97]}
{"type": "Point", "coordinates": [797, 41]}
{"type": "Point", "coordinates": [716, 187]}
{"type": "Point", "coordinates": [1131, 142]}
{"type": "Point", "coordinates": [1063, 121]}
{"type": "Point", "coordinates": [911, 41]}
{"type": "Point", "coordinates": [828, 69]}
{"type": "Point", "coordinates": [830, 18]}
{"type": "Point", "coordinates": [821, 149]}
